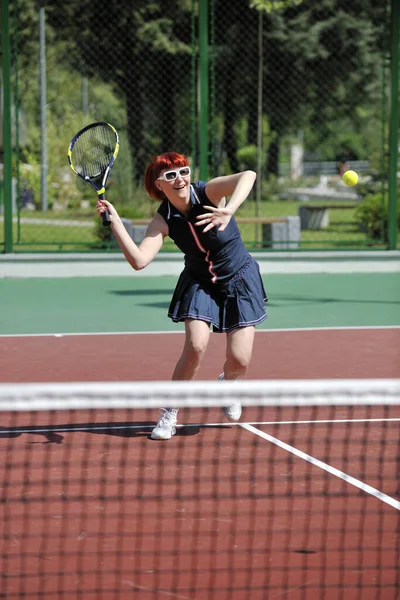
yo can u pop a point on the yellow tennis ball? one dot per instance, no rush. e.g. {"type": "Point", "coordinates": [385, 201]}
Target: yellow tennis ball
{"type": "Point", "coordinates": [350, 178]}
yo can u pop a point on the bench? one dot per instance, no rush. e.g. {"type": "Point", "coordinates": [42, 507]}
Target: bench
{"type": "Point", "coordinates": [278, 233]}
{"type": "Point", "coordinates": [316, 216]}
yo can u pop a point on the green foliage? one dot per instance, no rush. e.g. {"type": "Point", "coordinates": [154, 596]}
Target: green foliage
{"type": "Point", "coordinates": [135, 211]}
{"type": "Point", "coordinates": [64, 118]}
{"type": "Point", "coordinates": [271, 5]}
{"type": "Point", "coordinates": [322, 72]}
{"type": "Point", "coordinates": [30, 175]}
{"type": "Point", "coordinates": [104, 235]}
{"type": "Point", "coordinates": [159, 33]}
{"type": "Point", "coordinates": [373, 217]}
{"type": "Point", "coordinates": [359, 131]}
{"type": "Point", "coordinates": [374, 184]}
{"type": "Point", "coordinates": [322, 75]}
{"type": "Point", "coordinates": [248, 157]}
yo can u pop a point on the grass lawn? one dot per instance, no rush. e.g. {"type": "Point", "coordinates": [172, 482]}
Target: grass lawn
{"type": "Point", "coordinates": [76, 231]}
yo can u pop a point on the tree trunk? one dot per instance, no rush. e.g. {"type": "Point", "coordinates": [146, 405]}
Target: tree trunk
{"type": "Point", "coordinates": [135, 118]}
{"type": "Point", "coordinates": [273, 158]}
{"type": "Point", "coordinates": [230, 141]}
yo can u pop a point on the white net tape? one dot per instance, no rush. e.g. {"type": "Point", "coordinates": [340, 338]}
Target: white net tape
{"type": "Point", "coordinates": [179, 394]}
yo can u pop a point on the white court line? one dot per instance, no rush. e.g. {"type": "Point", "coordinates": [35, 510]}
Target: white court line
{"type": "Point", "coordinates": [249, 427]}
{"type": "Point", "coordinates": [318, 463]}
{"type": "Point", "coordinates": [181, 331]}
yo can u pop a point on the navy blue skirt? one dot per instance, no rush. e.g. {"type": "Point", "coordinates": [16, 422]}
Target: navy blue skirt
{"type": "Point", "coordinates": [238, 302]}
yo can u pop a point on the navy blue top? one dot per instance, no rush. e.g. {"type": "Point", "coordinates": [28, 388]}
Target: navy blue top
{"type": "Point", "coordinates": [212, 256]}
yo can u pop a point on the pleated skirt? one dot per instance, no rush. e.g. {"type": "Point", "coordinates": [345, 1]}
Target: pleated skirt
{"type": "Point", "coordinates": [238, 302]}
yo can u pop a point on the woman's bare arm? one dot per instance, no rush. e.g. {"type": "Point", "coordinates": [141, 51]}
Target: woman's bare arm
{"type": "Point", "coordinates": [137, 256]}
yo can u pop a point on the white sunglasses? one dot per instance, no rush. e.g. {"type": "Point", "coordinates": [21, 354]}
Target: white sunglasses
{"type": "Point", "coordinates": [172, 175]}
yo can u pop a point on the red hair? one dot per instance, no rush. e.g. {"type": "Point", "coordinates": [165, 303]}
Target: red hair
{"type": "Point", "coordinates": [169, 160]}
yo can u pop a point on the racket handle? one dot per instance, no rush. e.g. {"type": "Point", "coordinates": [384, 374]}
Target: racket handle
{"type": "Point", "coordinates": [105, 216]}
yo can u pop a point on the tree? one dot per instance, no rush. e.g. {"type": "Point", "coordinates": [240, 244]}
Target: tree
{"type": "Point", "coordinates": [321, 60]}
{"type": "Point", "coordinates": [139, 50]}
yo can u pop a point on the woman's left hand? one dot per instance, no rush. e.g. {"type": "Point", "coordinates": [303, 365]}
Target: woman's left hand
{"type": "Point", "coordinates": [216, 217]}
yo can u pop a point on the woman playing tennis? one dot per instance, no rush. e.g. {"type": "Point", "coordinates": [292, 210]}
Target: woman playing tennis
{"type": "Point", "coordinates": [220, 285]}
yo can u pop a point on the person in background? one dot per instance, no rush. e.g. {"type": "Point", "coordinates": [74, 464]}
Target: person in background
{"type": "Point", "coordinates": [343, 159]}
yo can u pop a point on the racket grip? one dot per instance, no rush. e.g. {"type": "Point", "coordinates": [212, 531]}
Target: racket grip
{"type": "Point", "coordinates": [105, 217]}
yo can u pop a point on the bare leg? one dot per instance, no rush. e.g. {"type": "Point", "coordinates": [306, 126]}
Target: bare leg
{"type": "Point", "coordinates": [239, 349]}
{"type": "Point", "coordinates": [197, 335]}
{"type": "Point", "coordinates": [196, 340]}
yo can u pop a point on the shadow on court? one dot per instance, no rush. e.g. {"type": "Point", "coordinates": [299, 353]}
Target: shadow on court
{"type": "Point", "coordinates": [163, 305]}
{"type": "Point", "coordinates": [280, 299]}
{"type": "Point", "coordinates": [52, 434]}
{"type": "Point", "coordinates": [143, 292]}
{"type": "Point", "coordinates": [146, 292]}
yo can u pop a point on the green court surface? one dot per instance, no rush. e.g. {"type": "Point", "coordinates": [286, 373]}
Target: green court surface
{"type": "Point", "coordinates": [128, 304]}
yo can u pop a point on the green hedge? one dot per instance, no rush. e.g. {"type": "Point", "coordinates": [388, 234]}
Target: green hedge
{"type": "Point", "coordinates": [373, 217]}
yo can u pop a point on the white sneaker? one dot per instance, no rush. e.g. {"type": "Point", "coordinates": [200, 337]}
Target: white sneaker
{"type": "Point", "coordinates": [166, 425]}
{"type": "Point", "coordinates": [233, 412]}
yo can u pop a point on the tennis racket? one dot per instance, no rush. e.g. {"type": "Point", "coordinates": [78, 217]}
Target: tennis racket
{"type": "Point", "coordinates": [91, 154]}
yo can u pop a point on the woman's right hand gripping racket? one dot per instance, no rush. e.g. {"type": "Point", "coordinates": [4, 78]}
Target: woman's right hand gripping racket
{"type": "Point", "coordinates": [91, 154]}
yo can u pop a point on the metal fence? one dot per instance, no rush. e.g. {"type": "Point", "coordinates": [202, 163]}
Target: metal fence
{"type": "Point", "coordinates": [297, 90]}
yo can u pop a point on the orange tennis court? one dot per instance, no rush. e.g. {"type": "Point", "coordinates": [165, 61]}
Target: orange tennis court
{"type": "Point", "coordinates": [299, 501]}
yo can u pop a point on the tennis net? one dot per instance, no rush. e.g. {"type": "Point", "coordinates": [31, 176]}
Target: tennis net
{"type": "Point", "coordinates": [300, 499]}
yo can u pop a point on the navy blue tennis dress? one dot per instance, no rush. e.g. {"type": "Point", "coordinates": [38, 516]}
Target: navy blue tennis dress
{"type": "Point", "coordinates": [221, 283]}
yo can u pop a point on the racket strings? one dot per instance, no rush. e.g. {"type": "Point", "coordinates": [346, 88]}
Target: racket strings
{"type": "Point", "coordinates": [93, 151]}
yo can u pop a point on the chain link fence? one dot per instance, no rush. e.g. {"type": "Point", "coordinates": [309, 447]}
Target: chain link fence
{"type": "Point", "coordinates": [296, 90]}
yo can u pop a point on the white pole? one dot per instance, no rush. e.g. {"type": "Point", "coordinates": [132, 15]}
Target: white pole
{"type": "Point", "coordinates": [43, 172]}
